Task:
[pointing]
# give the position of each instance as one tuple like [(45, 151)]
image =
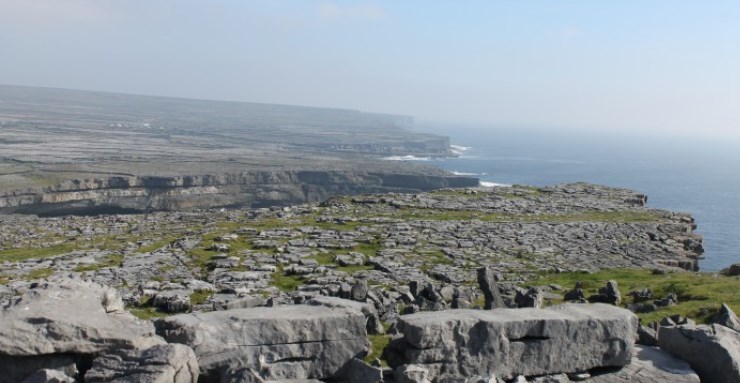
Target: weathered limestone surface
[(712, 351), (73, 317), (650, 365), (435, 240), (506, 343), (169, 363), (289, 342), (373, 324)]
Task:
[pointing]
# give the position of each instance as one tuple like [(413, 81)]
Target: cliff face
[(253, 188)]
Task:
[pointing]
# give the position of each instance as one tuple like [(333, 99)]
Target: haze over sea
[(698, 176)]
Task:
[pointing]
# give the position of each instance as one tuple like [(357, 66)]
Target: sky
[(665, 67)]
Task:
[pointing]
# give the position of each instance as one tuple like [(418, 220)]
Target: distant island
[(67, 151)]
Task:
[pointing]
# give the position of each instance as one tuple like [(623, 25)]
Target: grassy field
[(700, 294)]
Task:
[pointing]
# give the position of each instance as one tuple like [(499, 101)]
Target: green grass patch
[(156, 245), (145, 310), (22, 254), (229, 225), (325, 258), (369, 249), (286, 283), (200, 296), (38, 274), (699, 294), (112, 260), (378, 343), (147, 313)]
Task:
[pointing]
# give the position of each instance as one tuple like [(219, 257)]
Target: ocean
[(698, 176)]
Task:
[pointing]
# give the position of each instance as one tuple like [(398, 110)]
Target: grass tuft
[(378, 343)]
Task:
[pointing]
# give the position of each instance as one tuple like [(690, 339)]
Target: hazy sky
[(645, 65)]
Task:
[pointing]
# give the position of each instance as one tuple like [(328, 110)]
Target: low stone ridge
[(505, 343), (712, 351), (288, 342)]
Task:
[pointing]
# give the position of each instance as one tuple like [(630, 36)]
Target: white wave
[(458, 150), (455, 172), (486, 184), (406, 158), (461, 148)]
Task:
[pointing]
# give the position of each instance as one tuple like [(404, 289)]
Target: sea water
[(697, 176)]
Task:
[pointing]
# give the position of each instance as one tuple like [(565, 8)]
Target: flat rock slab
[(712, 351), (289, 342), (73, 317), (650, 365), (511, 342)]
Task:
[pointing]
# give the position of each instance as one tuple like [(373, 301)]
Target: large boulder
[(166, 363), (374, 324), (287, 342), (509, 342), (712, 351), (650, 365), (72, 317)]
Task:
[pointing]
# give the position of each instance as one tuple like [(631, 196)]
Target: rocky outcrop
[(57, 332), (505, 343), (712, 351), (49, 320), (289, 342), (254, 188)]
